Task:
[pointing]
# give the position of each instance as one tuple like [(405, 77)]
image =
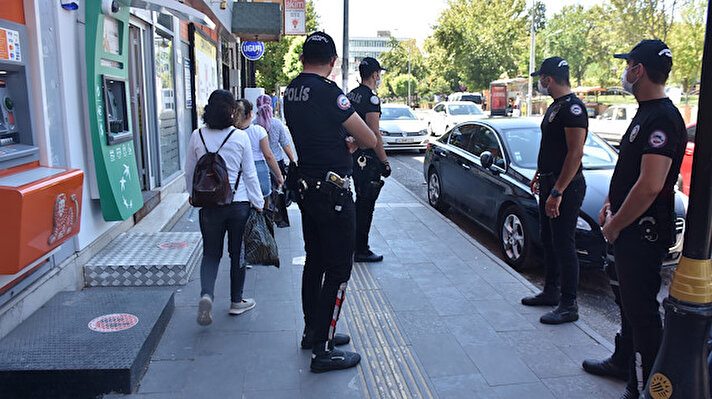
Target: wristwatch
[(555, 193)]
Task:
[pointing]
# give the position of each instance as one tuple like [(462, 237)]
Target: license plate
[(404, 140)]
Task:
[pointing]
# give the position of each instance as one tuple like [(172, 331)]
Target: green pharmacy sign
[(107, 28)]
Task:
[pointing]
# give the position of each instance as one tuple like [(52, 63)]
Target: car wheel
[(514, 239), (435, 193)]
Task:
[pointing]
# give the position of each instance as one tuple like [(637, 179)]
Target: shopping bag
[(260, 245)]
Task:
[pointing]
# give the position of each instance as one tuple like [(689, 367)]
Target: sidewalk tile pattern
[(439, 317)]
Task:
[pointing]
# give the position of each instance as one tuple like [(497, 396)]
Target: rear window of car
[(473, 98), (691, 133)]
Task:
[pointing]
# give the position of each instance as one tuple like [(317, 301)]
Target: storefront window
[(165, 104)]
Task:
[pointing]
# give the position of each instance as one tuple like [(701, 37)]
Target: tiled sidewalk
[(440, 317)]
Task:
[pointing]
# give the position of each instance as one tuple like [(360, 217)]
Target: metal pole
[(680, 369), (532, 60), (345, 55), (409, 50)]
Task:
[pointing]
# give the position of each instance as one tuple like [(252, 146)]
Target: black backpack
[(211, 186)]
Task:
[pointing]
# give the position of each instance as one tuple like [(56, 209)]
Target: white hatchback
[(401, 129), (449, 113)]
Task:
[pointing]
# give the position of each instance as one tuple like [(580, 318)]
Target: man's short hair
[(561, 80)]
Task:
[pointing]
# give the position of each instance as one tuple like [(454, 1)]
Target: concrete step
[(164, 215), (84, 344), (145, 259)]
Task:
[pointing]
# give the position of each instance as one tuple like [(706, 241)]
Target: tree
[(686, 39), (269, 69), (483, 38), (397, 57), (400, 84), (292, 66), (567, 36)]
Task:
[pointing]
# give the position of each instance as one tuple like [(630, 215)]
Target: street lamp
[(531, 63)]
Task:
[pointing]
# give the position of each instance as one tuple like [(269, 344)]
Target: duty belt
[(332, 181)]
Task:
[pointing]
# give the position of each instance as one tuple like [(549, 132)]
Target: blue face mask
[(543, 90)]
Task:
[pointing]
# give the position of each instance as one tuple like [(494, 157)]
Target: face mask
[(543, 90), (627, 86), (378, 82)]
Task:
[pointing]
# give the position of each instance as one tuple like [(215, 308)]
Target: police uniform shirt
[(315, 108), (566, 111), (364, 101), (657, 128)]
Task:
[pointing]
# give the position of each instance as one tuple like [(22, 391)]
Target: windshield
[(392, 114), (523, 145), (464, 109)]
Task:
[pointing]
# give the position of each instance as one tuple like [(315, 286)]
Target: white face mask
[(543, 90), (378, 81), (627, 86)]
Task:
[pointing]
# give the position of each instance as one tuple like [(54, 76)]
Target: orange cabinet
[(40, 208)]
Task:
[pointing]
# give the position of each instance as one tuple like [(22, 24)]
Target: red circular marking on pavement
[(173, 245), (113, 322)]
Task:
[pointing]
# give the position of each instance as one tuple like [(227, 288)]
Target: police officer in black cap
[(639, 218), (326, 130), (561, 187), (369, 164)]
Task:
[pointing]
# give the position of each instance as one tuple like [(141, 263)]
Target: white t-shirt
[(237, 154), (256, 133)]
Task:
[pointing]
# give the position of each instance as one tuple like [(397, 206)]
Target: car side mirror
[(486, 159), (599, 116)]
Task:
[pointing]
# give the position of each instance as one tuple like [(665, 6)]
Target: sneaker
[(564, 313), (543, 298), (339, 340), (367, 256), (334, 359), (205, 310), (241, 307)]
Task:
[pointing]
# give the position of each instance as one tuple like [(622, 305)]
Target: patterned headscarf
[(264, 111)]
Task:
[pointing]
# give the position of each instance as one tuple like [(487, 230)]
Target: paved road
[(596, 305)]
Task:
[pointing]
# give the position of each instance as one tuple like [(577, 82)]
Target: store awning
[(181, 11)]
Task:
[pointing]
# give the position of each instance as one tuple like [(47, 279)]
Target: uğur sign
[(295, 17)]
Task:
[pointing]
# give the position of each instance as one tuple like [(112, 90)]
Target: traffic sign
[(253, 51)]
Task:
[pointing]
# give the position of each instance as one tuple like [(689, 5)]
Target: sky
[(404, 18)]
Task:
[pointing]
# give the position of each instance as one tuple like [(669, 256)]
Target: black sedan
[(483, 169)]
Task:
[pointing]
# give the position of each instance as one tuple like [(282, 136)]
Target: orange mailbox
[(40, 208)]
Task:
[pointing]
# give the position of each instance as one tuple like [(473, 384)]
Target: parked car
[(483, 169), (613, 122), (686, 167), (449, 113), (401, 129), (476, 98)]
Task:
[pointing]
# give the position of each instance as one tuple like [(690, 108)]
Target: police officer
[(320, 118), (369, 164), (639, 218), (561, 187)]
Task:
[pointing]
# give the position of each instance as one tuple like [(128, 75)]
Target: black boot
[(564, 313), (544, 298), (630, 394), (326, 358), (616, 366), (308, 341), (367, 256)]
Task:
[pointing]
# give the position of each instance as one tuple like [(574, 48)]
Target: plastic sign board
[(253, 51), (109, 111), (295, 17)]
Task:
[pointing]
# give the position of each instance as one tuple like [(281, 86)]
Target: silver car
[(401, 129)]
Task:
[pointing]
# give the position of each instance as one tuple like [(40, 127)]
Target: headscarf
[(264, 111)]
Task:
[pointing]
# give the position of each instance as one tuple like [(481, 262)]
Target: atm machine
[(40, 206)]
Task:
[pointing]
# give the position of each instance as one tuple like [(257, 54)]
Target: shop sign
[(295, 17), (253, 51)]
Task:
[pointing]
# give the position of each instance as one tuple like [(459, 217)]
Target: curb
[(580, 324)]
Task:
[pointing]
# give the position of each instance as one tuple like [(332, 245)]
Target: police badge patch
[(343, 102), (634, 133), (375, 100), (576, 109), (657, 139)]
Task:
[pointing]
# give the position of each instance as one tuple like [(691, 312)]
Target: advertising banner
[(295, 17), (206, 72)]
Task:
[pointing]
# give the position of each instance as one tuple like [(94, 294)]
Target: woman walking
[(279, 143), (215, 221), (261, 153)]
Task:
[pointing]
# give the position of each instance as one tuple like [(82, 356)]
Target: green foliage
[(483, 38), (292, 65), (399, 85), (686, 39), (396, 59), (567, 35)]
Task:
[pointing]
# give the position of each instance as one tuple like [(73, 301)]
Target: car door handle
[(443, 154), (465, 166)]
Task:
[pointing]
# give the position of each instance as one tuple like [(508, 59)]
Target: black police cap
[(553, 66), (319, 45), (653, 54), (369, 65)]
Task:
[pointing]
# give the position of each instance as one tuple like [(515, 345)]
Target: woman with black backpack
[(221, 176)]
